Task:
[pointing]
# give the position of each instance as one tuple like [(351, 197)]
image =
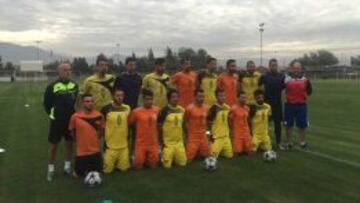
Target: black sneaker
[(289, 146), (304, 146)]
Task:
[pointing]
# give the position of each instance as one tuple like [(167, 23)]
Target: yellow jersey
[(218, 119), (260, 119), (159, 86), (249, 83), (171, 120), (116, 125), (208, 83), (100, 88)]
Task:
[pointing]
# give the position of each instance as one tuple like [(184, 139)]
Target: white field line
[(332, 158)]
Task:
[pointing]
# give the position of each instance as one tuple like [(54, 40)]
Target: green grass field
[(332, 176)]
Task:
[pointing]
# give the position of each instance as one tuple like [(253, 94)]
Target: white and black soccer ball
[(269, 156), (92, 178), (210, 163)]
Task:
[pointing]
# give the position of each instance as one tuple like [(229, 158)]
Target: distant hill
[(15, 53)]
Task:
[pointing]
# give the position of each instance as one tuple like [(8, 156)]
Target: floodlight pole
[(261, 30), (118, 52), (38, 48)]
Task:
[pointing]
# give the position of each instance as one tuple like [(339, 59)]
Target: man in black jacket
[(59, 101), (273, 82)]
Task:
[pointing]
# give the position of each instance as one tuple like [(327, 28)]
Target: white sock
[(51, 167), (67, 165)]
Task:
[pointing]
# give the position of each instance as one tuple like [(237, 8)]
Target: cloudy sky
[(226, 28)]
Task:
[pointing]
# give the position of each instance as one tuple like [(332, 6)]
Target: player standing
[(218, 123), (273, 82), (297, 89), (146, 139), (259, 115), (59, 101), (195, 118), (206, 81), (130, 82), (170, 122), (158, 83), (249, 81), (185, 83), (100, 84), (116, 133), (87, 127), (228, 82), (239, 122)]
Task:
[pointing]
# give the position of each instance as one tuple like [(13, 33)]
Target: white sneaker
[(50, 176)]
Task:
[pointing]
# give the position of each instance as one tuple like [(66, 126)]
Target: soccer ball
[(92, 178), (210, 163), (269, 156)]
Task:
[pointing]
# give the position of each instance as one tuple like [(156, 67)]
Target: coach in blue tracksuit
[(130, 82), (273, 82)]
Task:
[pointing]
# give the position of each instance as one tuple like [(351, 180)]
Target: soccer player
[(116, 133), (87, 127), (59, 101), (249, 81), (100, 84), (158, 83), (195, 118), (239, 122), (228, 82), (146, 139), (218, 123), (170, 122), (206, 81), (130, 81), (273, 83), (259, 115), (185, 83), (297, 89)]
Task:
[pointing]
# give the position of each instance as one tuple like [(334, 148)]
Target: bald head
[(64, 71)]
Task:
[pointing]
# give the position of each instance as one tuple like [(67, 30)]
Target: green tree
[(319, 58), (80, 66), (355, 60)]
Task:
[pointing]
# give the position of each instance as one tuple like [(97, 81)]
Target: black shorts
[(59, 129), (85, 164)]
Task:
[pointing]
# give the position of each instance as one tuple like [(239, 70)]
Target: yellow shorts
[(222, 146), (261, 141), (118, 158), (173, 153)]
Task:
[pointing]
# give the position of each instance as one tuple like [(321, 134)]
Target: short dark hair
[(239, 93), (170, 92), (198, 90), (129, 59), (259, 92), (83, 96), (210, 59), (101, 57), (218, 90), (273, 60), (117, 89), (250, 61), (295, 61), (147, 93), (230, 61), (182, 60), (160, 61)]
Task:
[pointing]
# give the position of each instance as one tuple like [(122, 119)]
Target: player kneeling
[(239, 115), (195, 117), (86, 127), (219, 125), (144, 119), (259, 114), (170, 124), (116, 133)]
